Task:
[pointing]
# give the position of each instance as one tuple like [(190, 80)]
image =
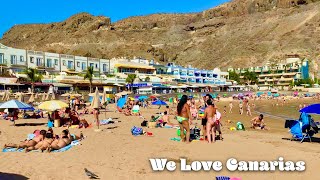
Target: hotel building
[(63, 69), (280, 75)]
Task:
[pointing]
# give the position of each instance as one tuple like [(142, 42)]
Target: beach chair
[(300, 132)]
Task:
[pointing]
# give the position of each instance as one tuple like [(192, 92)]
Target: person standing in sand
[(240, 107), (96, 116), (210, 113), (249, 110), (230, 107), (184, 115)]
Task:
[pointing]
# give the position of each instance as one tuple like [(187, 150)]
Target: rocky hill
[(241, 33)]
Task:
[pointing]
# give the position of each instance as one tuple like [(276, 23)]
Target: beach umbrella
[(311, 109), (36, 96), (153, 97), (47, 96), (15, 104), (53, 96), (103, 100), (123, 93), (31, 99), (7, 96), (122, 101), (53, 105), (96, 99), (43, 96), (143, 97), (159, 102), (20, 97)]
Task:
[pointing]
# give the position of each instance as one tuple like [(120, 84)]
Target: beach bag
[(136, 131), (195, 133), (240, 126)]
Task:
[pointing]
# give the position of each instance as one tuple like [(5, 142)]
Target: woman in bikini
[(184, 115), (28, 143), (63, 141), (43, 145), (210, 115)]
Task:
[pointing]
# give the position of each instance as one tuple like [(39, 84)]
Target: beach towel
[(222, 178), (73, 143)]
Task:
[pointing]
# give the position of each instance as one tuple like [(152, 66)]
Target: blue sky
[(41, 11)]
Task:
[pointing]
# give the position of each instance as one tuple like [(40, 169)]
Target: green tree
[(130, 79), (33, 76), (234, 76), (89, 76), (147, 79), (250, 77)]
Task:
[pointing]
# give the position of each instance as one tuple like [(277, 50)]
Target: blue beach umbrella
[(143, 97), (122, 101), (15, 104), (312, 109), (159, 102)]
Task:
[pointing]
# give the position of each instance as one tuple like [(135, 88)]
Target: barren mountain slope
[(241, 33)]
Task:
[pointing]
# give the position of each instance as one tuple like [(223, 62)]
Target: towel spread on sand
[(73, 143)]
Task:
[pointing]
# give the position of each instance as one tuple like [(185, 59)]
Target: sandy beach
[(114, 153)]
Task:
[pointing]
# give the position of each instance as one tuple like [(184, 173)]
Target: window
[(104, 68), (21, 59), (31, 59), (1, 58), (13, 59), (70, 65), (56, 62), (83, 65), (96, 66), (91, 64), (64, 62), (39, 62), (49, 63), (78, 64)]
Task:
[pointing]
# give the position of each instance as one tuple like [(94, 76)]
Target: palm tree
[(33, 76), (89, 76), (130, 79)]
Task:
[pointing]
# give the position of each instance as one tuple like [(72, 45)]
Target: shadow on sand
[(11, 176), (306, 140), (30, 124)]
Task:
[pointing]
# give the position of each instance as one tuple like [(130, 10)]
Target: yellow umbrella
[(52, 105), (96, 99), (53, 96), (36, 96), (31, 99)]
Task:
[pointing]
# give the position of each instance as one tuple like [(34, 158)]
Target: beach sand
[(114, 153)]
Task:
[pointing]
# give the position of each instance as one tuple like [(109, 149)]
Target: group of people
[(46, 141), (211, 120)]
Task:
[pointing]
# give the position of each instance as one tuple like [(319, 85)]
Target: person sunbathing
[(64, 140), (28, 143), (43, 145)]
